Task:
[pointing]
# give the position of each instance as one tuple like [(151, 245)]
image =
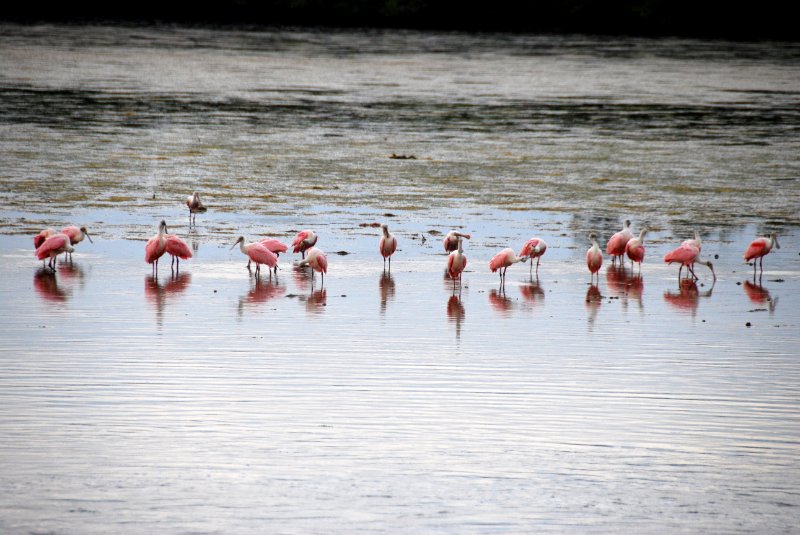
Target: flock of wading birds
[(49, 244)]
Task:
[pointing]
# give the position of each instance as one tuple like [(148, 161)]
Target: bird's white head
[(774, 238), (239, 240), (86, 233)]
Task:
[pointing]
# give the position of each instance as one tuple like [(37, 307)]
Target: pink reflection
[(687, 298), (499, 301), (387, 287), (317, 301), (46, 285), (759, 295), (456, 313), (532, 292), (593, 301)]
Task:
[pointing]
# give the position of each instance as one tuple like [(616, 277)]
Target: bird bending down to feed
[(318, 261), (594, 257), (617, 242), (456, 263), (534, 248), (178, 249), (688, 254), (387, 246), (52, 247), (76, 235), (256, 253), (759, 248), (156, 247), (635, 249), (303, 241), (502, 260), (450, 241), (196, 206)]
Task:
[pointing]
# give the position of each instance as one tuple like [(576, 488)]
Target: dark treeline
[(765, 19)]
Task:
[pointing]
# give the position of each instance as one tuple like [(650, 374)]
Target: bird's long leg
[(390, 264), (761, 265)]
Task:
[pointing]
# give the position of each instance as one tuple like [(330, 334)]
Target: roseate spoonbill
[(52, 247), (617, 242), (688, 255), (635, 249), (387, 246), (450, 241), (178, 249), (759, 248), (304, 240), (275, 246), (196, 206), (694, 241), (534, 248), (318, 261), (38, 240), (76, 235), (503, 260), (256, 253), (156, 246), (456, 263), (594, 256)]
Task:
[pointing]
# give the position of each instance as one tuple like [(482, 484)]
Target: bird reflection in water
[(625, 284), (593, 301), (72, 272), (46, 285), (158, 293), (260, 292), (302, 277), (532, 291), (386, 286), (456, 313), (759, 295), (499, 301), (687, 298), (317, 301)]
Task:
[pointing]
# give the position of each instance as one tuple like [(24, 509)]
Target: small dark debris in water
[(716, 257), (292, 295), (758, 310), (704, 321), (389, 214), (374, 224), (747, 324), (739, 283), (395, 156), (215, 291), (434, 232), (777, 280), (342, 253), (343, 295)]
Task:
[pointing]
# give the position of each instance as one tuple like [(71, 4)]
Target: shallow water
[(208, 402)]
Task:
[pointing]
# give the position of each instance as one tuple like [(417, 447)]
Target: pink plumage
[(54, 246), (686, 254), (76, 234), (456, 263), (154, 249), (261, 255), (387, 246), (274, 245), (317, 260), (177, 247), (39, 239), (758, 248), (617, 242), (594, 259), (450, 241), (304, 240)]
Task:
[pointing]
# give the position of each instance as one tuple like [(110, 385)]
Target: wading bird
[(156, 247), (635, 249), (52, 247), (196, 206), (178, 249), (275, 246), (450, 241), (503, 260), (256, 253), (534, 248), (387, 246), (594, 257), (76, 235), (38, 240), (688, 254), (303, 241), (456, 263), (318, 261), (759, 248), (617, 242)]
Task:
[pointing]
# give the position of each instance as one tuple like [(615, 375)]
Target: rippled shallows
[(209, 401)]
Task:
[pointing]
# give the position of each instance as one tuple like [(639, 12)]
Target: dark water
[(210, 402)]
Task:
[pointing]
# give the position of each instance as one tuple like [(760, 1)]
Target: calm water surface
[(210, 402)]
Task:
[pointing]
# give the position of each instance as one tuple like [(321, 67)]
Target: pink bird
[(534, 248), (450, 241), (76, 235), (502, 261), (39, 239), (688, 254), (635, 249), (696, 242), (256, 253), (759, 248), (456, 263), (52, 247), (387, 246), (304, 240), (195, 207), (318, 261), (617, 242), (594, 257), (156, 247), (273, 245), (178, 249)]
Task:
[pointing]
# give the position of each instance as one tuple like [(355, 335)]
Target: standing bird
[(456, 263), (76, 235), (387, 246), (759, 248), (534, 248), (635, 249), (178, 249), (52, 247), (617, 242), (196, 206), (303, 241), (156, 247), (502, 260), (318, 261), (594, 256), (450, 241), (256, 253), (275, 246), (688, 254)]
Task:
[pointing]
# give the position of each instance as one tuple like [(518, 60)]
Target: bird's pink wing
[(51, 244), (152, 251), (72, 231), (685, 254), (616, 245), (274, 245), (322, 262), (758, 247), (177, 247), (298, 240), (497, 261), (261, 255)]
